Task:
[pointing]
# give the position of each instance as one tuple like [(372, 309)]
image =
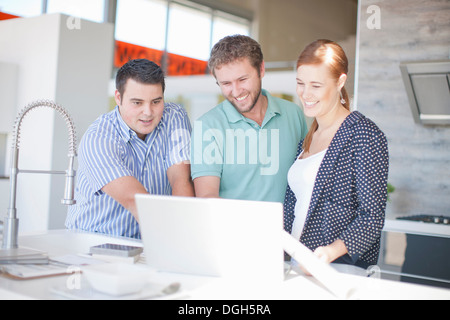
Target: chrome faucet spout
[(11, 223)]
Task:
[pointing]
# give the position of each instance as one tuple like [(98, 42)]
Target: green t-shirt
[(251, 161)]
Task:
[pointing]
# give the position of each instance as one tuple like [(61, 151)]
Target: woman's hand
[(328, 253), (331, 252)]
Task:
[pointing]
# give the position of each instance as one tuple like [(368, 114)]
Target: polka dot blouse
[(350, 193)]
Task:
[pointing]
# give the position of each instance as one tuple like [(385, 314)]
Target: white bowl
[(118, 279)]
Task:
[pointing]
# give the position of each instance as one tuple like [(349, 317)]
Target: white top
[(301, 179)]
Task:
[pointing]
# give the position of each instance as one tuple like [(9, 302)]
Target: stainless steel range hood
[(427, 84)]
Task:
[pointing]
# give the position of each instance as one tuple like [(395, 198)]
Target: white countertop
[(296, 286), (417, 228)]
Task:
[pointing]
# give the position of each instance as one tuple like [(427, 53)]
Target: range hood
[(427, 84)]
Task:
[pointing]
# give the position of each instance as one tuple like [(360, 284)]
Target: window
[(22, 8), (189, 32), (224, 26), (86, 9), (180, 26), (142, 22)]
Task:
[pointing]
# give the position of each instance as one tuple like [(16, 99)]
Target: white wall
[(32, 45), (8, 92), (71, 67), (85, 60)]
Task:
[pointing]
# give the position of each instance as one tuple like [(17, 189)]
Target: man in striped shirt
[(142, 146)]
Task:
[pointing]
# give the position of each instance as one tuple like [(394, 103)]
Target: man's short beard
[(252, 105)]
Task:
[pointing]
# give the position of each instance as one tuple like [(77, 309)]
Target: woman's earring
[(342, 98)]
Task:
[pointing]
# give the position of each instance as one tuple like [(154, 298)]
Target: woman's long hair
[(331, 54)]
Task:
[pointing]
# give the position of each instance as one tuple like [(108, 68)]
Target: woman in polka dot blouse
[(336, 198)]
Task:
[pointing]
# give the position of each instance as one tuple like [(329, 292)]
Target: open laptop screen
[(212, 237)]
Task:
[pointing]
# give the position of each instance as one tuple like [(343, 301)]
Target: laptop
[(232, 239)]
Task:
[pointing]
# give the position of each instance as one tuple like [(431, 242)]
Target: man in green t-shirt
[(244, 147)]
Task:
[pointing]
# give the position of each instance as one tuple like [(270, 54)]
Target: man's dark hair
[(140, 70)]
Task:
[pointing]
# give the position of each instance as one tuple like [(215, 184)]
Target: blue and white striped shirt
[(110, 150)]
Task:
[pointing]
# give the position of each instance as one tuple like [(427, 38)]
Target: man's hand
[(179, 176), (123, 191)]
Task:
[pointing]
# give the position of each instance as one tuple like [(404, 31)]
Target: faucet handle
[(69, 198)]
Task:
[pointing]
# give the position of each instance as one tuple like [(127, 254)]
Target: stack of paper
[(33, 271), (22, 256)]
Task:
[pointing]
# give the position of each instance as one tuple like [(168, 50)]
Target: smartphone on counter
[(118, 250)]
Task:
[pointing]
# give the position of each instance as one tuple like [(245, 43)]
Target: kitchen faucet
[(11, 222)]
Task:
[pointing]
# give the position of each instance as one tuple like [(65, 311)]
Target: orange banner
[(6, 16), (177, 65)]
